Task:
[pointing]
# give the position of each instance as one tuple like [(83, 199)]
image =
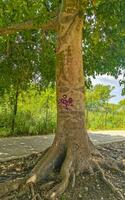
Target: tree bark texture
[(70, 85), (71, 146)]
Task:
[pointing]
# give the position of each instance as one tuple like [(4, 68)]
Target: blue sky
[(109, 80)]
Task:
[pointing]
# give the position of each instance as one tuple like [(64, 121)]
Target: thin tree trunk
[(47, 114), (15, 107)]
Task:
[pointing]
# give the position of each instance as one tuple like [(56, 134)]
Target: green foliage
[(104, 46), (98, 96), (100, 114), (17, 11), (37, 111), (106, 120), (103, 37), (28, 57)]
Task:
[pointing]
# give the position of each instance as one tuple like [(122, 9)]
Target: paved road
[(15, 147)]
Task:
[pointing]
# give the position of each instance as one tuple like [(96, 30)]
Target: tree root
[(121, 164), (65, 173), (110, 163), (34, 196), (51, 159), (47, 185), (68, 171), (9, 186), (117, 193)]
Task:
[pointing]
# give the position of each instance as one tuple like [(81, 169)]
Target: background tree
[(100, 94), (97, 100), (17, 71)]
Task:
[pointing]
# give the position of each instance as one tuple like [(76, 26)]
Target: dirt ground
[(87, 187)]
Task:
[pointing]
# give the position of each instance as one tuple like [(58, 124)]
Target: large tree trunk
[(70, 86), (72, 151), (71, 147)]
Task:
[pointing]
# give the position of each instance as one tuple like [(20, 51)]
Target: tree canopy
[(103, 43)]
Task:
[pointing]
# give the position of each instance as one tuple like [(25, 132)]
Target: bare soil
[(87, 187)]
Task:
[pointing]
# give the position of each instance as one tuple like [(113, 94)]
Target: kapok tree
[(72, 151)]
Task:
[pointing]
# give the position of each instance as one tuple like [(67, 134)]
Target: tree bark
[(70, 85), (29, 25), (71, 147)]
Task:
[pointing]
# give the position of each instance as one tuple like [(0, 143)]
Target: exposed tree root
[(121, 164), (53, 159), (112, 164), (65, 173), (108, 183), (9, 186)]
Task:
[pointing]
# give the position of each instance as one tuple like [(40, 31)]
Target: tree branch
[(29, 25)]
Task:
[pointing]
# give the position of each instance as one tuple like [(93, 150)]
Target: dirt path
[(16, 147)]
